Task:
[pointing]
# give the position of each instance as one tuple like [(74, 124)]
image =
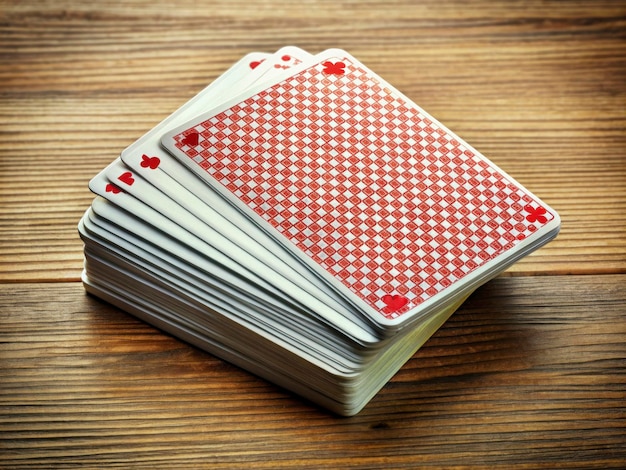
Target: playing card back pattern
[(365, 183)]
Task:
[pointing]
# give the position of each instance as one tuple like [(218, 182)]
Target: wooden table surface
[(529, 373)]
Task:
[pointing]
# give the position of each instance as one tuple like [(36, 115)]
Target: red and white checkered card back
[(359, 181)]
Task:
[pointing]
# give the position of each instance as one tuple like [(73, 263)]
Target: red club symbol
[(255, 63), (536, 214), (395, 302), (150, 162), (190, 139), (126, 177), (336, 68), (111, 188), (285, 58)]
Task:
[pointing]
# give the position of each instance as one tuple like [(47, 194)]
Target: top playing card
[(388, 205)]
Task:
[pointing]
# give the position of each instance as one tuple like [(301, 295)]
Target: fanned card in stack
[(304, 220)]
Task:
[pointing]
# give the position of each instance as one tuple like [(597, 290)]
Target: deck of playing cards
[(304, 220)]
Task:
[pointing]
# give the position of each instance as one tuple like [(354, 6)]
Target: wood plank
[(540, 88), (529, 373)]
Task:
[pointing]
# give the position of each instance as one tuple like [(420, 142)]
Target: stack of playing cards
[(303, 219)]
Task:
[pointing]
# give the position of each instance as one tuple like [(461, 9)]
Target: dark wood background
[(529, 373)]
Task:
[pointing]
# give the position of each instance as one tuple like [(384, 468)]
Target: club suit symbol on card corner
[(127, 177), (191, 139), (536, 214), (255, 63), (150, 162), (334, 68), (111, 188), (394, 302)]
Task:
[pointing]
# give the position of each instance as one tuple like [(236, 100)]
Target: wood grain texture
[(529, 373), (538, 87), (524, 375)]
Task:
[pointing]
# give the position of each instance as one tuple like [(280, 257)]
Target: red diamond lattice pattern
[(366, 184)]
